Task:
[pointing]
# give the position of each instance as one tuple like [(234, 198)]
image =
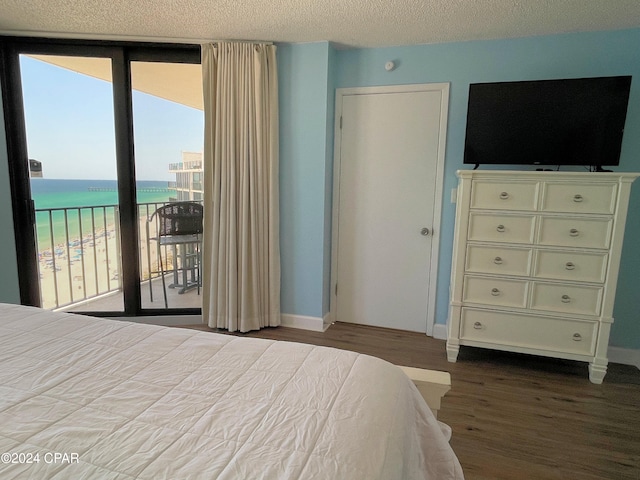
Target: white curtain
[(241, 254)]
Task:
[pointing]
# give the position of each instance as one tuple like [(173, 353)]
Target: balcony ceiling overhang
[(176, 82)]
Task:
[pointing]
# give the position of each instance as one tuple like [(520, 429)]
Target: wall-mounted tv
[(547, 122)]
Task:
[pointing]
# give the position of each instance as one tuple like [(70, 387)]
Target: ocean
[(57, 193)]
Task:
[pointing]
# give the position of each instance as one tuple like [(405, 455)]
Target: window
[(96, 133)]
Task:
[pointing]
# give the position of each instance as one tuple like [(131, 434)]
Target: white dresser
[(535, 263)]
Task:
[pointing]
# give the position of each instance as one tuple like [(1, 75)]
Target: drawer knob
[(569, 266), (477, 325), (574, 232), (500, 228), (504, 195), (578, 198), (566, 299), (497, 261), (495, 292), (577, 337)]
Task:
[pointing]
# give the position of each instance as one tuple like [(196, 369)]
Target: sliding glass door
[(96, 136), (73, 178), (168, 125)]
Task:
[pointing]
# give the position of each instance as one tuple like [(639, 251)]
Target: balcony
[(191, 165), (80, 261), (113, 301)]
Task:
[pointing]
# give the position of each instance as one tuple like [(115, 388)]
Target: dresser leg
[(597, 371), (452, 352)]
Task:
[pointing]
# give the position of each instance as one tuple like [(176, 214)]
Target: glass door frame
[(121, 55)]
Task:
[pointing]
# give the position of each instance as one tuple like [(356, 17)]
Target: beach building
[(35, 168), (189, 177)]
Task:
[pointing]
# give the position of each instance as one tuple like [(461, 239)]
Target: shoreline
[(88, 267)]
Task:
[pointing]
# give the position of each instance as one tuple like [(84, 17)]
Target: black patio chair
[(179, 225)]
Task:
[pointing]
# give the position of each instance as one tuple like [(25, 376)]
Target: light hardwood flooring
[(513, 416)]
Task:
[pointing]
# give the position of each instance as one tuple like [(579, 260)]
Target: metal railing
[(79, 252)]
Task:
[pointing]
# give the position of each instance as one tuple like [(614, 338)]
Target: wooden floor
[(513, 416)]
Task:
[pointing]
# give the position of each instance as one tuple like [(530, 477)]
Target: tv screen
[(547, 122)]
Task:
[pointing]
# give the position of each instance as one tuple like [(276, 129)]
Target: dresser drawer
[(575, 232), (495, 291), (496, 195), (553, 297), (528, 331), (499, 260), (577, 267), (577, 198), (501, 228)]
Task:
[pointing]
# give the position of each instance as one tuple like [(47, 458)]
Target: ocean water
[(59, 194)]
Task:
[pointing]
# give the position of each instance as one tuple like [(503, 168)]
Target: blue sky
[(70, 129)]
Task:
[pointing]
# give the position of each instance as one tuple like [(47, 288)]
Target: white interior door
[(391, 150)]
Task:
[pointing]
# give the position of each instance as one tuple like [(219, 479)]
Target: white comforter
[(82, 397)]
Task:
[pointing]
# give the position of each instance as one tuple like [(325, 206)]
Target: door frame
[(443, 88)]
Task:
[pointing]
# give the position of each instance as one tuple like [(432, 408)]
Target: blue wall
[(305, 157), (304, 162), (328, 179)]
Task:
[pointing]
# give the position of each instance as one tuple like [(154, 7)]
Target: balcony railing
[(80, 253), (188, 165)]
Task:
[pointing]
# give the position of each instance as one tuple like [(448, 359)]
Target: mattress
[(83, 397)]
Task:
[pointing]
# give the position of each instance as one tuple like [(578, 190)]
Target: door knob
[(425, 232)]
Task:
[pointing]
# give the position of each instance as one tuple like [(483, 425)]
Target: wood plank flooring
[(513, 416)]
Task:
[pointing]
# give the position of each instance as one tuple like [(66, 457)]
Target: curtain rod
[(254, 42), (119, 38)]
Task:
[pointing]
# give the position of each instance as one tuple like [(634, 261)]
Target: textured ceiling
[(347, 23)]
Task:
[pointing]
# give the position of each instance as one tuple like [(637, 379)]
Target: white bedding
[(124, 400)]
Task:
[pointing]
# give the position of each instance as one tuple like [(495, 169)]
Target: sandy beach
[(90, 266)]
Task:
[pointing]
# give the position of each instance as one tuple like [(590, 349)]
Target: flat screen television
[(547, 122)]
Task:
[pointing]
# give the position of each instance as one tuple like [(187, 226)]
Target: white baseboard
[(440, 331), (316, 324), (626, 356)]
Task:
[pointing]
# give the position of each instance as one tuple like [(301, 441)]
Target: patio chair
[(179, 225)]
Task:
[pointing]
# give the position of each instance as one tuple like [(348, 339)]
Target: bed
[(83, 397)]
